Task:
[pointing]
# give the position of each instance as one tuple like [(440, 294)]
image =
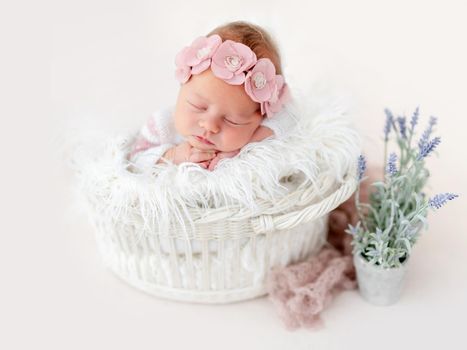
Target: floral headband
[(236, 64)]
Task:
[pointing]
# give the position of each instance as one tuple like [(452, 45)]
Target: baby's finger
[(194, 150), (205, 164), (213, 163), (198, 157)]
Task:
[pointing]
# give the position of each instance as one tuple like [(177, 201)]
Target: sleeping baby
[(232, 93)]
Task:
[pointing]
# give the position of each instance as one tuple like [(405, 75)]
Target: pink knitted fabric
[(301, 291)]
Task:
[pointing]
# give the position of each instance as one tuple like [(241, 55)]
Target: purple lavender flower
[(414, 120), (361, 166), (427, 133), (391, 167), (353, 230), (402, 126), (389, 121), (427, 148), (440, 199)]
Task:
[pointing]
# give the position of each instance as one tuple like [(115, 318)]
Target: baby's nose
[(210, 124)]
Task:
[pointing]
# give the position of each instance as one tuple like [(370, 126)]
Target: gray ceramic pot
[(377, 285)]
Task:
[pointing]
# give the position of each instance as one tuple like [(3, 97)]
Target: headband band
[(236, 64)]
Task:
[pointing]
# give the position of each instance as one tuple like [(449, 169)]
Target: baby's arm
[(148, 148)]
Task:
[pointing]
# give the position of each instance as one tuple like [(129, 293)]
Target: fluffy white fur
[(322, 150)]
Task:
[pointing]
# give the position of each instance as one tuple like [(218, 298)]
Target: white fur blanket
[(323, 149)]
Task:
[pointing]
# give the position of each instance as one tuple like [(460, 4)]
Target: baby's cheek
[(236, 139), (184, 122)]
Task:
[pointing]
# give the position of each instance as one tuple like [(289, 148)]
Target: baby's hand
[(184, 152), (219, 156)]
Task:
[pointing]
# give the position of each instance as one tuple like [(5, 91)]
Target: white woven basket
[(170, 233), (227, 255)]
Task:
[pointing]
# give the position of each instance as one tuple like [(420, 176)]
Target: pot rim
[(367, 263)]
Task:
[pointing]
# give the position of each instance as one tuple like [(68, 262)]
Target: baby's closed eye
[(230, 120), (234, 123), (197, 107)]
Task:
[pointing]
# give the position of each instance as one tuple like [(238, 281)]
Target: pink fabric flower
[(231, 60), (196, 58), (183, 71), (200, 52), (260, 82), (280, 96), (236, 64)]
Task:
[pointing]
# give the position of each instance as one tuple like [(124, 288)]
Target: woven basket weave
[(226, 255)]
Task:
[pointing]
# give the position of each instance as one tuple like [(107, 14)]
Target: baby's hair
[(253, 36)]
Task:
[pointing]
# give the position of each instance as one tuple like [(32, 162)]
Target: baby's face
[(214, 115)]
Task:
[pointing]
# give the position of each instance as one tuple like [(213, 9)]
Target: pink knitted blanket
[(301, 291)]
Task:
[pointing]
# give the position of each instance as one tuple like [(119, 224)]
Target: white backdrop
[(106, 65)]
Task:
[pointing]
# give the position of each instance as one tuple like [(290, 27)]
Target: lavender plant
[(389, 225)]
